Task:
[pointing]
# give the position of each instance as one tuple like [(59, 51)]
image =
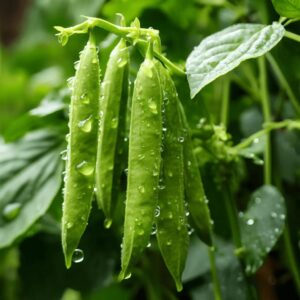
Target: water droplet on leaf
[(78, 256), (11, 211), (85, 168)]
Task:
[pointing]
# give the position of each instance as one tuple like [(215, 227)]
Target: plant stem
[(291, 257), (214, 274), (292, 36), (233, 219), (142, 45), (284, 83), (290, 21), (225, 101), (289, 124), (268, 169), (236, 236), (131, 34), (267, 118)]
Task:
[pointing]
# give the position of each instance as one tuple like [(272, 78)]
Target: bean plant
[(134, 164)]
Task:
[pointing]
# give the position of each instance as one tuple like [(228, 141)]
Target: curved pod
[(113, 103), (81, 152), (143, 163)]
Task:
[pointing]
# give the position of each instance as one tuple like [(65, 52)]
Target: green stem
[(291, 21), (284, 83), (142, 45), (292, 36), (268, 169), (131, 34), (291, 257), (232, 214), (214, 274), (267, 118), (237, 240), (225, 101), (289, 124)]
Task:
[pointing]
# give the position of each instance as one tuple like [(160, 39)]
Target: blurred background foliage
[(34, 98)]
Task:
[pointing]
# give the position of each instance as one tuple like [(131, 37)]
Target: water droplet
[(141, 232), (84, 99), (121, 62), (149, 72), (127, 276), (70, 82), (153, 106), (161, 186), (170, 215), (273, 214), (141, 189), (187, 213), (76, 64), (154, 229), (107, 223), (181, 139), (164, 129), (141, 156), (86, 125), (11, 211), (169, 243), (170, 174), (189, 163), (78, 256), (250, 222), (114, 123), (257, 200), (282, 217), (157, 212), (240, 214), (69, 225), (256, 141), (64, 154), (258, 161), (155, 173), (149, 245), (85, 168)]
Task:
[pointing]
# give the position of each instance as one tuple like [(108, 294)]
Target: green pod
[(143, 164), (171, 224), (81, 151), (194, 191), (113, 101)]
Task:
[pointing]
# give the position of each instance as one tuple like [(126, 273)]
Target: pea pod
[(172, 234), (81, 151), (143, 163), (112, 106), (194, 191)]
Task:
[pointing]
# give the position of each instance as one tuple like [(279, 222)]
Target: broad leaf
[(30, 176), (223, 51), (261, 225), (287, 8), (228, 267)]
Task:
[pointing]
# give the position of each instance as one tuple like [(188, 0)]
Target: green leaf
[(30, 176), (223, 51), (287, 8), (229, 270), (261, 225)]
